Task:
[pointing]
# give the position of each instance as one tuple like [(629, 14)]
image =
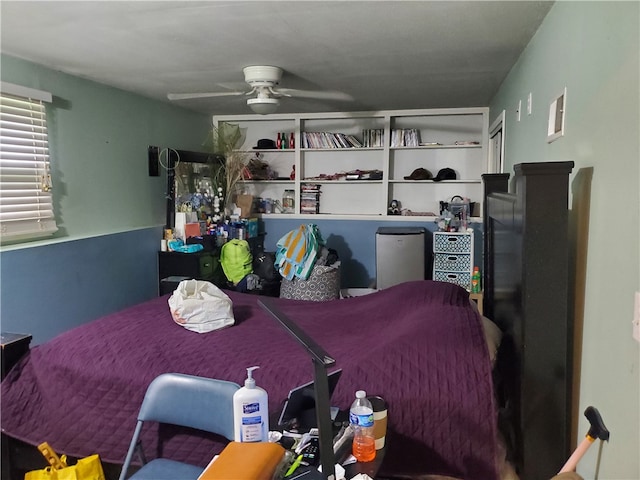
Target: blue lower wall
[(355, 242), (49, 289)]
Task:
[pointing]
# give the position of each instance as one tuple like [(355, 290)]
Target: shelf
[(434, 147), (370, 199), (269, 150), (443, 182), (274, 181), (341, 149), (342, 182), (332, 216)]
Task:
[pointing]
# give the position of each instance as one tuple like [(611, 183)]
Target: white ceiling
[(385, 54)]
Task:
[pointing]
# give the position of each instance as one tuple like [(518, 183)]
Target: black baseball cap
[(445, 174)]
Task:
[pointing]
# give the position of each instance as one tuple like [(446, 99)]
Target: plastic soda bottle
[(361, 419), (475, 280)]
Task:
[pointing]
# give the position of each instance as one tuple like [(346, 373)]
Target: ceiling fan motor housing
[(262, 75)]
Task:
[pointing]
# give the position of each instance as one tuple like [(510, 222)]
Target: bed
[(420, 345)]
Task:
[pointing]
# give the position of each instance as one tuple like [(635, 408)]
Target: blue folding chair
[(188, 401)]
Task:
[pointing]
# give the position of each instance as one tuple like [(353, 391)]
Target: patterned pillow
[(323, 284)]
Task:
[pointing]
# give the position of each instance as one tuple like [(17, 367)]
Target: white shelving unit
[(450, 138)]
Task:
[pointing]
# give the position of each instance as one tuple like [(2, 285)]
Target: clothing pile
[(297, 251), (257, 169), (310, 270)]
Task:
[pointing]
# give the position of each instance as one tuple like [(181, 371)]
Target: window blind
[(26, 203)]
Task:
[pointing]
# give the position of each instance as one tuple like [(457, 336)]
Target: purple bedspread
[(419, 345)]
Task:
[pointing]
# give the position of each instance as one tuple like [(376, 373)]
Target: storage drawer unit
[(452, 242), (453, 258), (452, 262), (459, 278)]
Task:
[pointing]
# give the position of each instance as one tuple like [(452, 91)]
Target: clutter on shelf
[(283, 141), (350, 175), (454, 215), (310, 198), (394, 208), (258, 169), (189, 230)]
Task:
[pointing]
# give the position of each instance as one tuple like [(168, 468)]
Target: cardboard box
[(245, 202), (192, 230)]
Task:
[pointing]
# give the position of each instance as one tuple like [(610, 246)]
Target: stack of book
[(329, 140), (310, 198), (405, 137), (373, 137)]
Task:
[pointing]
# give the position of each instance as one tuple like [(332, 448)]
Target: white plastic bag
[(200, 306)]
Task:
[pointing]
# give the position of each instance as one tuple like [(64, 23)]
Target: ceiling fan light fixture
[(263, 106)]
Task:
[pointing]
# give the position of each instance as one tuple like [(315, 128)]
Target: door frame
[(496, 165)]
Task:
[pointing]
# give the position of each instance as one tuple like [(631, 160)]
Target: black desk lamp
[(321, 361)]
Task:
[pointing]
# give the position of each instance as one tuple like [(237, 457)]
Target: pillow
[(493, 336), (492, 333)]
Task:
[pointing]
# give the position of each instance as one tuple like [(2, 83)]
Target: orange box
[(245, 461), (191, 230)]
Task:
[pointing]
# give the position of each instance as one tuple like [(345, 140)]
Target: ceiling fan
[(264, 81)]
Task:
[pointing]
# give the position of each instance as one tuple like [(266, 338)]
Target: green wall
[(592, 49), (109, 210), (98, 141)]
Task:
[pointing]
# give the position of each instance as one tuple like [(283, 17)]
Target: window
[(26, 204)]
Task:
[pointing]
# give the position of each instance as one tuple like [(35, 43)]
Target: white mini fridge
[(400, 255)]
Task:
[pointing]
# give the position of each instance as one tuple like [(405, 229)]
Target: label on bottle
[(287, 202), (365, 420), (250, 407), (251, 428)]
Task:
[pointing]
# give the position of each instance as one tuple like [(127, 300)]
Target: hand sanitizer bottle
[(250, 412)]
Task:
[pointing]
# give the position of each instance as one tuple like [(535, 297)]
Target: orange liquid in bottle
[(364, 448)]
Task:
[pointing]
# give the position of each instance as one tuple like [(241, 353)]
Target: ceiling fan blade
[(322, 95), (187, 96)]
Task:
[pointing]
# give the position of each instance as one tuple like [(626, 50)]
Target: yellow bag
[(88, 468)]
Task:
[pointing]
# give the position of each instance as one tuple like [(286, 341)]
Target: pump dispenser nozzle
[(250, 382)]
